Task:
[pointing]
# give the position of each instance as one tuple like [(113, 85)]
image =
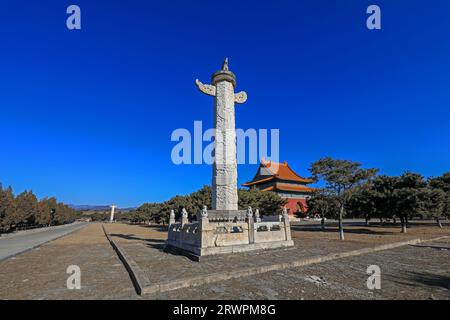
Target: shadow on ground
[(417, 279), (155, 227), (151, 243), (336, 230), (431, 247)]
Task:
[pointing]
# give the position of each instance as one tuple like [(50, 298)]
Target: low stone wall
[(187, 233), (222, 234), (269, 231)]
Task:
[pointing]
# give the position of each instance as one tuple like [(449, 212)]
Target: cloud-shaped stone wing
[(206, 88), (240, 97)]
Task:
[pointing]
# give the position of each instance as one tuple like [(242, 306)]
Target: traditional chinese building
[(280, 178)]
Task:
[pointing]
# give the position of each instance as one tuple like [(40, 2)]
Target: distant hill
[(86, 207)]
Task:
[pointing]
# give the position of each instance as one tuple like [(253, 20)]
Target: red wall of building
[(292, 205)]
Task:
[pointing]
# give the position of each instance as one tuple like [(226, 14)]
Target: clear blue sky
[(87, 115)]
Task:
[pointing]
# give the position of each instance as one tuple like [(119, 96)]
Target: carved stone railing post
[(287, 225), (172, 217), (251, 226), (203, 227), (184, 217), (257, 216)]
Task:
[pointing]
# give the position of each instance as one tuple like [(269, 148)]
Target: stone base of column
[(205, 254), (227, 231), (227, 215)]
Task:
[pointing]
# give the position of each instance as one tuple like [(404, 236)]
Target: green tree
[(324, 205), (434, 203), (442, 183), (341, 177), (201, 198), (362, 203), (155, 212), (382, 195), (408, 197), (268, 202)]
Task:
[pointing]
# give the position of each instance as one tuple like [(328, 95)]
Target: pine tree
[(341, 178), (26, 208), (408, 197), (44, 213), (7, 209)]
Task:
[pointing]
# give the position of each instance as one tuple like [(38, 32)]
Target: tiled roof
[(288, 187), (278, 170), (269, 178)]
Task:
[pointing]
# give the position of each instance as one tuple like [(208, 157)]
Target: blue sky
[(87, 115)]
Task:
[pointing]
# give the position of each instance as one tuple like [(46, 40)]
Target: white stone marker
[(224, 178), (113, 207)]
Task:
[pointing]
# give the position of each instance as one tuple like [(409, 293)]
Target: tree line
[(351, 190), (268, 203), (26, 211)]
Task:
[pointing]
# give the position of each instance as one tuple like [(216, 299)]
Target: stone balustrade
[(205, 237)]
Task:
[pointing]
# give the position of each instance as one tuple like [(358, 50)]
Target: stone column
[(111, 218), (224, 178)]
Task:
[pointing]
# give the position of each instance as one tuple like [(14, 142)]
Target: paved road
[(19, 243)]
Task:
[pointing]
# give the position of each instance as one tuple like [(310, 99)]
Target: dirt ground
[(41, 273), (346, 277), (410, 272), (372, 234), (375, 233)]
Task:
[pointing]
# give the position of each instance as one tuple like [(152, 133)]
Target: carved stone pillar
[(224, 178)]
